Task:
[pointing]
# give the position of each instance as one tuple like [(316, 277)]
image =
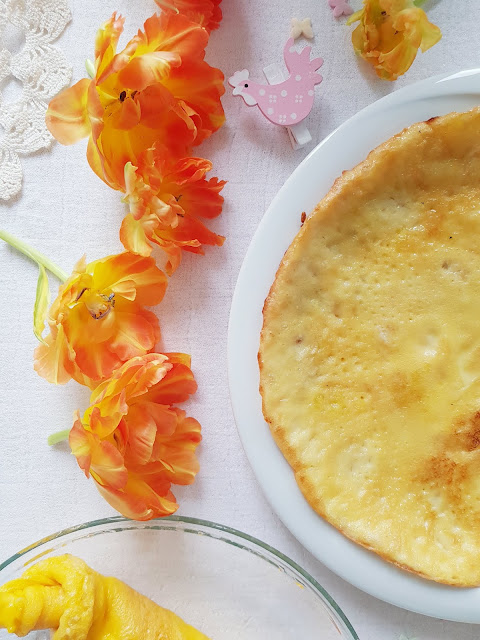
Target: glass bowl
[(226, 583)]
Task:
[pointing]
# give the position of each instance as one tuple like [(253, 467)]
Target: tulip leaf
[(42, 302)]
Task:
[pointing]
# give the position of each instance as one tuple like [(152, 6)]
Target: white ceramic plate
[(341, 150)]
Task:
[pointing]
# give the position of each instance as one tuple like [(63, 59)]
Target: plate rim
[(427, 597)]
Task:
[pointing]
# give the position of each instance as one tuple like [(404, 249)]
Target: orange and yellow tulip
[(133, 442), (166, 201), (206, 12), (98, 320), (390, 33), (157, 91)]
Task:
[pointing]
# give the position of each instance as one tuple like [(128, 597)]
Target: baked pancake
[(370, 352)]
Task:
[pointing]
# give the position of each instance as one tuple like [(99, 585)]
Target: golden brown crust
[(446, 469)]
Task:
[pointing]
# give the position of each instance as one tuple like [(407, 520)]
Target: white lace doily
[(42, 70)]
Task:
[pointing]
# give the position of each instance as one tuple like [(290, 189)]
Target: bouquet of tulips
[(143, 110)]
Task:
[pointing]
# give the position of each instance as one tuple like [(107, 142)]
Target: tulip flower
[(166, 201), (98, 320), (157, 91), (133, 442), (390, 33)]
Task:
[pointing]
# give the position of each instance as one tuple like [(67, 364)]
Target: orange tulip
[(98, 320), (158, 90), (205, 12), (390, 33), (133, 442), (166, 200)]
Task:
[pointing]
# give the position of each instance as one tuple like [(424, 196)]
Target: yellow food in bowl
[(63, 594), (370, 352)]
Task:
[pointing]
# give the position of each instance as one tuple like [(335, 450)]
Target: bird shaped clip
[(286, 101)]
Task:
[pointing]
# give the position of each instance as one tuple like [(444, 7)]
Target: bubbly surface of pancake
[(370, 352)]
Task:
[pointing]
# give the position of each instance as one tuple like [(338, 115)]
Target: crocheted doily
[(42, 70)]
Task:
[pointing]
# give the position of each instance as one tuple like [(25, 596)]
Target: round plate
[(341, 150)]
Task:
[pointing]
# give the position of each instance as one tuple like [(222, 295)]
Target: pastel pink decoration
[(340, 8), (288, 102)]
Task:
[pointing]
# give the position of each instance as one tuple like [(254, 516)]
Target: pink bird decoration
[(340, 8), (288, 102)]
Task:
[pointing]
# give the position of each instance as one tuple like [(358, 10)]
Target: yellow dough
[(65, 595), (370, 352)]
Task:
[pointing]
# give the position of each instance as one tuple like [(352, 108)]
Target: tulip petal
[(104, 417), (203, 198), (150, 282), (177, 451), (147, 69), (206, 12), (133, 236), (107, 466), (136, 333), (95, 160), (95, 363), (50, 357), (179, 358), (141, 439), (97, 457), (81, 445), (127, 116), (188, 230), (161, 420), (177, 385), (202, 96), (139, 501), (67, 114), (174, 253), (186, 169), (106, 41), (154, 367), (155, 102), (116, 64), (173, 32)]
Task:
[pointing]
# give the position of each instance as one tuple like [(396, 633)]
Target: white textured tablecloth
[(65, 211)]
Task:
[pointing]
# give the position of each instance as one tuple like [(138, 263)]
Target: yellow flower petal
[(148, 69), (50, 358), (133, 236), (67, 115)]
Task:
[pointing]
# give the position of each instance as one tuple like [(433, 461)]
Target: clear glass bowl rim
[(184, 520)]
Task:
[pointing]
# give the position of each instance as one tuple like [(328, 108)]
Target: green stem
[(58, 437), (33, 254)]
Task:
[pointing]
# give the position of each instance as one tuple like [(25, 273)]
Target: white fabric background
[(65, 210)]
